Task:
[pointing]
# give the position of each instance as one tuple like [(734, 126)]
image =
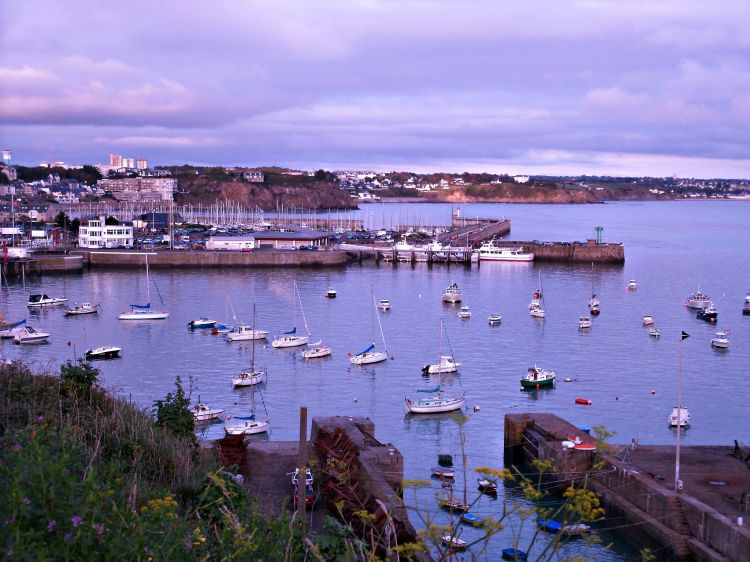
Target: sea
[(632, 380)]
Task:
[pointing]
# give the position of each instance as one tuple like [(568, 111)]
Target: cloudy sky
[(620, 87)]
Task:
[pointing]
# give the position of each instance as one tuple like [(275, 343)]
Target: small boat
[(549, 525), (249, 377), (246, 333), (648, 320), (445, 364), (201, 323), (537, 312), (201, 412), (514, 554), (537, 378), (452, 294), (104, 352), (39, 301), (464, 312), (330, 294), (679, 416), (384, 305), (583, 401), (317, 350), (247, 425), (143, 311), (27, 334), (709, 314), (435, 404), (654, 332), (632, 285), (584, 447), (220, 328), (495, 319), (290, 338), (594, 305), (584, 322), (746, 306), (698, 301), (721, 340), (489, 252), (487, 486), (83, 308), (443, 472), (472, 519), (454, 543), (368, 356), (453, 504), (575, 530)]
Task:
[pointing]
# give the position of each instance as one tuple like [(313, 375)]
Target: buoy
[(584, 401), (617, 397), (653, 391), (568, 379), (355, 400)]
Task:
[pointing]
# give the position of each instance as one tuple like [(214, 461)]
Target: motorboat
[(594, 305), (679, 417), (247, 425), (746, 306), (249, 377), (201, 323), (201, 412), (104, 352), (464, 313), (654, 332), (445, 364), (452, 294), (536, 311), (246, 333), (317, 350), (434, 404), (537, 377), (368, 356), (721, 340), (490, 252), (632, 285), (384, 304), (144, 311), (709, 314), (330, 294), (698, 301), (584, 322), (495, 319), (39, 301), (27, 334), (648, 320), (83, 308), (221, 328), (453, 542)]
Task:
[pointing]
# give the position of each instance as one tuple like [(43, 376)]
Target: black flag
[(685, 335)]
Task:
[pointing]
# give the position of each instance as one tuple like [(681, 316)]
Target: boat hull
[(247, 336), (434, 406), (532, 385), (519, 257), (290, 341), (369, 358), (317, 353), (31, 339), (143, 316), (103, 353)]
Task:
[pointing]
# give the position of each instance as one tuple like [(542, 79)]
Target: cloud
[(156, 141)]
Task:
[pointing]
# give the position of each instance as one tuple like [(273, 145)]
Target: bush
[(174, 414), (82, 376)]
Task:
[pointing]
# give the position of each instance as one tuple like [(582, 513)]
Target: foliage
[(174, 414), (111, 221), (75, 225), (86, 174), (62, 220), (79, 377), (4, 179)]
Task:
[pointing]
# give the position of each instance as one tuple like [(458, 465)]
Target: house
[(270, 241), (254, 177), (94, 233), (521, 179)]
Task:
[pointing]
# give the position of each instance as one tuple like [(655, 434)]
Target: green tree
[(82, 376), (62, 220), (174, 413), (111, 221), (4, 180), (75, 224)]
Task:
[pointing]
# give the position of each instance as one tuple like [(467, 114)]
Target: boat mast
[(302, 310), (375, 308), (148, 284), (677, 482), (252, 356)]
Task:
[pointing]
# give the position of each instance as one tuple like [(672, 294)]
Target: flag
[(685, 335)]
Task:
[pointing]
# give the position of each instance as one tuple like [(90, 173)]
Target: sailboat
[(248, 425), (535, 306), (367, 356), (290, 338), (250, 377), (593, 301), (436, 403), (242, 332), (144, 312), (445, 363)]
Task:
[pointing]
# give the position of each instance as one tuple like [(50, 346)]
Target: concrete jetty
[(704, 521), (586, 252)]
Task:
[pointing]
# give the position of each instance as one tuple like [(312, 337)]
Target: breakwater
[(589, 251), (209, 259)]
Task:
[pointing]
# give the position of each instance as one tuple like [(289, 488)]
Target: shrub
[(173, 413), (82, 376)]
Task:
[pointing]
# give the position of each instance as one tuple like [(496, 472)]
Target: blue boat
[(472, 519), (514, 554), (549, 525), (584, 428)]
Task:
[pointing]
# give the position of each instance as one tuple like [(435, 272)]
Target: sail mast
[(252, 356), (375, 308), (148, 284), (302, 310)]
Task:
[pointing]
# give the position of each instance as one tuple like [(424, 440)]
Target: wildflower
[(26, 501), (68, 538), (16, 447), (99, 528), (51, 526), (76, 520)]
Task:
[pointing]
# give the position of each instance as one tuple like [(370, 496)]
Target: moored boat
[(698, 301), (27, 334), (384, 304), (549, 525), (247, 425), (648, 320), (464, 313), (487, 486), (330, 294), (249, 377), (538, 378), (490, 252), (221, 328), (368, 356), (246, 333), (721, 340), (514, 554), (494, 319), (472, 519), (575, 530), (594, 306), (317, 350), (104, 352), (39, 301), (452, 503), (454, 543), (584, 322), (445, 364), (443, 472), (201, 412), (144, 311), (452, 294), (679, 417), (83, 308), (708, 314), (746, 306), (632, 285), (654, 332), (435, 404), (201, 323)]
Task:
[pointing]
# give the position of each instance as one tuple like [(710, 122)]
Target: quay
[(586, 252), (38, 264), (704, 521)]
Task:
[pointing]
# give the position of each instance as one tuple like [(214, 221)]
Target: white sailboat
[(144, 312), (445, 363), (290, 338), (251, 376), (369, 355), (248, 425), (436, 403), (536, 308)]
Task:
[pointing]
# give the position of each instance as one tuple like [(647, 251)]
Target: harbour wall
[(208, 259), (42, 264), (589, 251)]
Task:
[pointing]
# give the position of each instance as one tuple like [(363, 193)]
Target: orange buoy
[(584, 401)]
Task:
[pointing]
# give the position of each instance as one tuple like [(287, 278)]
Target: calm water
[(672, 249)]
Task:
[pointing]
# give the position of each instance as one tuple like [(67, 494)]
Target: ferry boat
[(709, 314), (489, 252), (452, 294), (698, 300), (537, 378)]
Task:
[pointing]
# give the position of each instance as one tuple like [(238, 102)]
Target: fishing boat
[(453, 542), (698, 301), (434, 404), (584, 322), (330, 294), (290, 338), (654, 332), (104, 352), (27, 334), (648, 320), (452, 294), (251, 376), (39, 301), (246, 333), (317, 350), (746, 306), (201, 323), (679, 417), (487, 486), (721, 340), (472, 519), (369, 355), (144, 311), (446, 363), (247, 425), (11, 329), (537, 377), (83, 308), (464, 313), (514, 554), (490, 252), (708, 314), (494, 319), (201, 412), (632, 285), (384, 304)]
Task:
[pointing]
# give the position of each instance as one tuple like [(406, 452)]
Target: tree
[(111, 221), (4, 180), (62, 220), (75, 224), (173, 413), (82, 376)]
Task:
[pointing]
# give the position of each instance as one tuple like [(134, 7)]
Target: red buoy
[(584, 401)]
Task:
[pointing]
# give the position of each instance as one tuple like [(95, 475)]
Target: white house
[(93, 233), (521, 179)]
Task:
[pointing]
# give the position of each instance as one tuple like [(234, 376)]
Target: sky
[(622, 87)]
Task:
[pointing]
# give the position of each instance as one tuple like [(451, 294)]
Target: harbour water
[(672, 249)]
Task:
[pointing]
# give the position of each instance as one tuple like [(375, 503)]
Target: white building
[(93, 233), (521, 179)]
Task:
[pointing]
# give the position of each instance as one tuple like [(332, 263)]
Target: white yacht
[(368, 356), (632, 285), (464, 313), (721, 340), (29, 335), (536, 310), (679, 416), (317, 350), (246, 333), (249, 377), (452, 294), (290, 338), (495, 319), (202, 412), (104, 352), (144, 312), (698, 301), (384, 305), (247, 425), (39, 301), (584, 322), (489, 252), (445, 364), (434, 404)]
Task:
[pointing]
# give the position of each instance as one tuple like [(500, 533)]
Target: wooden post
[(301, 478)]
